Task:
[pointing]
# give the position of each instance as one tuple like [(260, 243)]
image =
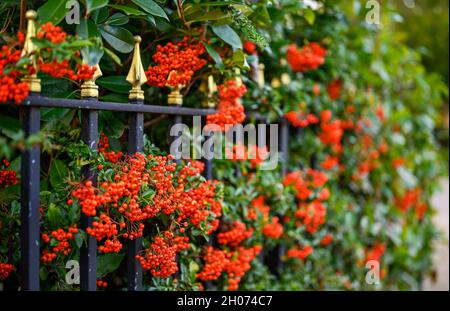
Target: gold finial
[(261, 77), (209, 87), (136, 77), (175, 96), (29, 49), (276, 83), (285, 78), (238, 77), (89, 88)]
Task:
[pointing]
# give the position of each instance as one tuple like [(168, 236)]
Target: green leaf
[(117, 84), (92, 5), (100, 15), (213, 53), (117, 19), (10, 124), (52, 11), (310, 16), (110, 124), (58, 173), (240, 60), (113, 56), (54, 215), (86, 30), (119, 38), (127, 10), (108, 263), (79, 238), (151, 7), (227, 34), (205, 16)]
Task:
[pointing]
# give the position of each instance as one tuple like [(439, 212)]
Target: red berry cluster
[(231, 111), (160, 258), (177, 194), (101, 283), (273, 229), (306, 182), (376, 252), (11, 88), (330, 162), (311, 215), (5, 270), (327, 239), (215, 262), (7, 177), (334, 89), (258, 205), (309, 188), (176, 63), (61, 69), (250, 48), (239, 264), (104, 228), (55, 34), (300, 252), (233, 263), (103, 146), (236, 235), (331, 130), (411, 199), (310, 57), (300, 119), (141, 187), (58, 242), (253, 153)]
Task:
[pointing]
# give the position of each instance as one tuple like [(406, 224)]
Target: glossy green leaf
[(127, 9), (108, 263), (151, 7), (117, 19), (117, 84), (52, 11), (227, 34), (92, 5), (119, 38), (59, 173)]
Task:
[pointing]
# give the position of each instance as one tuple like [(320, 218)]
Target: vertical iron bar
[(30, 189), (284, 145), (274, 256), (177, 119), (208, 174), (88, 255), (135, 144)]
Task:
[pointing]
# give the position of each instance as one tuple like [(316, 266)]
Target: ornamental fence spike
[(136, 76), (29, 49)]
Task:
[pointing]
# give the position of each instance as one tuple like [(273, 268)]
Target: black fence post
[(135, 144), (89, 135), (136, 77), (30, 190), (30, 171), (273, 259)]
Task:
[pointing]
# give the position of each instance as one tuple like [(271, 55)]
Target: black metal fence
[(30, 181), (90, 106)]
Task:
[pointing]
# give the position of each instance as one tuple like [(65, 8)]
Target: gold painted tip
[(31, 15), (137, 39)]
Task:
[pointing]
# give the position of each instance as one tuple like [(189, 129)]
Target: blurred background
[(424, 25)]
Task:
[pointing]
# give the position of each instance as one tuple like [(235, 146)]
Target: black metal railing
[(30, 181), (89, 105)]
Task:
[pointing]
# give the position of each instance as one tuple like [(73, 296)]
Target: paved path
[(441, 258)]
